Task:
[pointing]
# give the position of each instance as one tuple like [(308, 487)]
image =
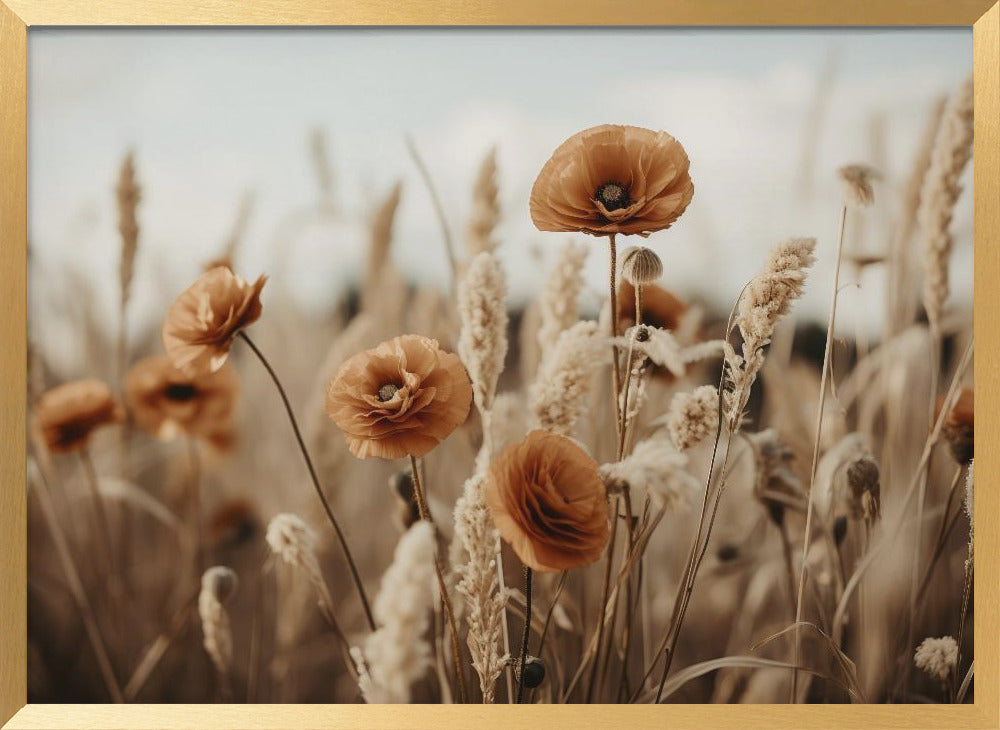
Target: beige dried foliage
[(560, 394), (397, 654), (482, 343), (857, 181), (937, 657), (218, 585), (939, 194), (693, 416), (654, 469), (128, 194), (766, 299), (485, 208), (479, 585), (379, 245), (559, 301)]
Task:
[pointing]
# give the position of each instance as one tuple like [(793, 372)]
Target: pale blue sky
[(211, 113)]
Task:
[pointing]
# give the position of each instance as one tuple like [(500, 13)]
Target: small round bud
[(863, 481), (534, 672), (641, 265)]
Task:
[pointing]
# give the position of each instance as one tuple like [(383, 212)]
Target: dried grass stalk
[(767, 297), (560, 294), (940, 192), (653, 469), (485, 208), (397, 654), (693, 416), (128, 194), (218, 585), (559, 395), (379, 243), (479, 586), (482, 344)]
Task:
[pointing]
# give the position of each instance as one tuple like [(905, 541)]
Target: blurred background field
[(289, 145)]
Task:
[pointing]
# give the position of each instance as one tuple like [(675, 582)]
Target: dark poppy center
[(387, 391), (613, 196), (180, 391)]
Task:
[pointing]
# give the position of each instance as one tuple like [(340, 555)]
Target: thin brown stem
[(599, 630), (315, 481), (616, 376), (421, 497), (786, 552), (806, 538), (966, 592), (425, 175), (526, 635), (552, 606), (948, 522)]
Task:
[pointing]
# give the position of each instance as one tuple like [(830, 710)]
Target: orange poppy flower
[(549, 503), (613, 179), (66, 416), (167, 403), (400, 399), (200, 325)]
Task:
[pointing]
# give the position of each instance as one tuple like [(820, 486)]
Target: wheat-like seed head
[(940, 191), (482, 343), (937, 657), (397, 654), (485, 208), (560, 295), (693, 416), (218, 584)]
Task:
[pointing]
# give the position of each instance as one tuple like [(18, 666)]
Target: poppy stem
[(616, 367), (526, 635), (315, 480), (418, 492)]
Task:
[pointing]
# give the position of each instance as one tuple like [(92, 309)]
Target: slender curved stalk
[(552, 606), (315, 481), (77, 591), (962, 690), (815, 460), (425, 174), (526, 635), (418, 492)]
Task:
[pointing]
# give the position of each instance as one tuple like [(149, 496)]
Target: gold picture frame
[(17, 17)]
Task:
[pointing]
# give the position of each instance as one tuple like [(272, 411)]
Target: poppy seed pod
[(534, 672), (641, 265)]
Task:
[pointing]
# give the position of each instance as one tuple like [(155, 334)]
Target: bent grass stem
[(315, 481)]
